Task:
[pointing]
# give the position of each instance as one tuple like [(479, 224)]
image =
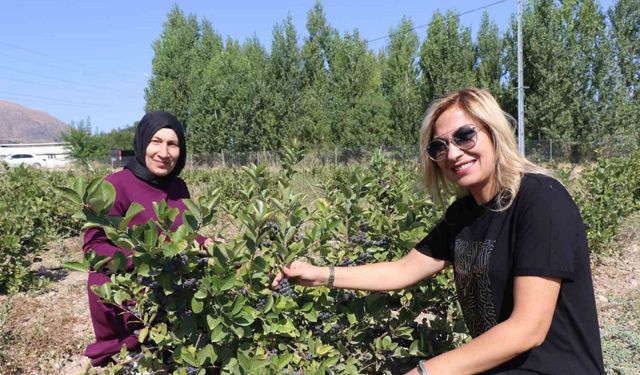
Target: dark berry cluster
[(336, 328), (265, 243), (362, 240), (345, 297), (144, 280), (384, 243), (317, 330), (202, 262), (364, 226), (185, 313), (324, 315), (129, 369), (364, 258), (285, 289), (437, 337), (308, 356), (191, 284), (175, 263), (262, 301)]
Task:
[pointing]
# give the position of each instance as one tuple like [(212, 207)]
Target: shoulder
[(541, 186), (545, 191), (120, 178)]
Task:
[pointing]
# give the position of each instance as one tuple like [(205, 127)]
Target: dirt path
[(46, 332)]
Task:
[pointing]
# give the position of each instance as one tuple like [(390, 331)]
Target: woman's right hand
[(303, 274)]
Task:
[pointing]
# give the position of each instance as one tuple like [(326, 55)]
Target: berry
[(284, 289)]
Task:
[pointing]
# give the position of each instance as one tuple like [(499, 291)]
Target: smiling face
[(162, 152), (472, 169)]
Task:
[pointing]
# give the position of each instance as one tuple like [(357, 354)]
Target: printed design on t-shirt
[(471, 265)]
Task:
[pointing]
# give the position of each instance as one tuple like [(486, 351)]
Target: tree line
[(581, 73)]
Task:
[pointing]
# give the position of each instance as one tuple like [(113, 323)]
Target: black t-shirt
[(541, 234)]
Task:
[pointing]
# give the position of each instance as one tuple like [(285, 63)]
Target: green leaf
[(212, 322), (243, 319), (201, 294), (207, 353), (323, 349), (143, 334), (133, 210), (193, 209), (77, 266), (196, 305), (69, 194), (218, 334)]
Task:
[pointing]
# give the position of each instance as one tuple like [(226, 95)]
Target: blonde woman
[(516, 242)]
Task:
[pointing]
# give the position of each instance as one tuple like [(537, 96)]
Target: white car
[(13, 160)]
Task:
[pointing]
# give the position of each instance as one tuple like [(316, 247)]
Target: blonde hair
[(510, 164)]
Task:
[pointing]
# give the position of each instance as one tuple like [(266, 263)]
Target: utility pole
[(520, 84)]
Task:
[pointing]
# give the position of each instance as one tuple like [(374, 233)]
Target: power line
[(426, 24), (50, 57), (66, 102), (55, 79), (51, 85)]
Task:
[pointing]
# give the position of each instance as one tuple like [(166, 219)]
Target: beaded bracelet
[(332, 276), (422, 370)]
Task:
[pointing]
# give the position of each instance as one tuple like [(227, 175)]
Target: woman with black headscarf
[(152, 176)]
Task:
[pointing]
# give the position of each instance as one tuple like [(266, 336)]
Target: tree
[(170, 87), (546, 68), (317, 50), (400, 83), (83, 145), (285, 83), (446, 57), (117, 138), (489, 56), (625, 35), (360, 115), (567, 70)]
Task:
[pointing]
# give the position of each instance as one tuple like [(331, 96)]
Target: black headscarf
[(147, 127)]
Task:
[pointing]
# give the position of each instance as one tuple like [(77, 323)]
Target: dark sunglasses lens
[(436, 149), (465, 137)]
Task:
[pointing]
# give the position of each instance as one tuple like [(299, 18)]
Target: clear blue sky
[(90, 58)]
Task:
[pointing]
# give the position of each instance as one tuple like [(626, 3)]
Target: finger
[(276, 280)]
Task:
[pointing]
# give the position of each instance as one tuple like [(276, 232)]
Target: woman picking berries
[(515, 240)]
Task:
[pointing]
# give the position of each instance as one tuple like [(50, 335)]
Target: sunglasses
[(464, 138)]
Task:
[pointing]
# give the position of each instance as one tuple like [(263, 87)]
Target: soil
[(45, 332)]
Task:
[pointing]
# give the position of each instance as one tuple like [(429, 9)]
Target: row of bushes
[(32, 215), (606, 191)]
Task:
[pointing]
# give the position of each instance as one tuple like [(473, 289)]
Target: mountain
[(21, 124)]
